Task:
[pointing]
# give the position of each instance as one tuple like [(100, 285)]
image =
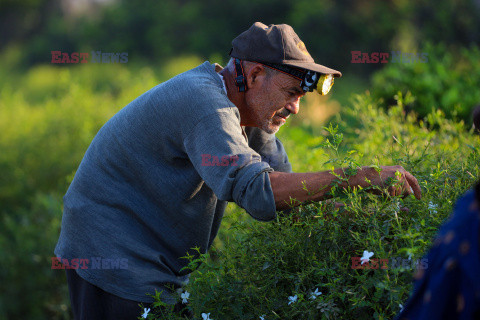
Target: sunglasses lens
[(325, 83)]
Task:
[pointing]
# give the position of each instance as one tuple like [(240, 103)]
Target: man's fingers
[(413, 183), (407, 189), (406, 185), (410, 185)]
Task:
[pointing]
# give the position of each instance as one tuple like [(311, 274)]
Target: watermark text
[(383, 57), (91, 263), (393, 263), (82, 57)]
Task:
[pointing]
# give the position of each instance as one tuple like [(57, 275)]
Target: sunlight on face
[(271, 104)]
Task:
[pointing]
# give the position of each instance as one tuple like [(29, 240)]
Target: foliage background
[(50, 113)]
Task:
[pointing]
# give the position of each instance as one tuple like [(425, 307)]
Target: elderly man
[(157, 177)]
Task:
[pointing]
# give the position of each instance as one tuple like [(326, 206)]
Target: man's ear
[(255, 75)]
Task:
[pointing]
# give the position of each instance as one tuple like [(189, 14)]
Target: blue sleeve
[(448, 287), (269, 147), (219, 152)]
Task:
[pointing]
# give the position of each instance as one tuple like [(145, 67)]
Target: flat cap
[(277, 44)]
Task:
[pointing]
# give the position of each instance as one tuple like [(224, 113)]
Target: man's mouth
[(283, 116)]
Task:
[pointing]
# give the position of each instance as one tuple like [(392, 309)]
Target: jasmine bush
[(47, 123), (447, 81), (276, 270)]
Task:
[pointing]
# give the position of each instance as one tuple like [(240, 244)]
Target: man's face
[(272, 102)]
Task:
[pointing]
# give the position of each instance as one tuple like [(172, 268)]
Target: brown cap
[(277, 44)]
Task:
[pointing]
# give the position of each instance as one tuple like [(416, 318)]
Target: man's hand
[(407, 184)]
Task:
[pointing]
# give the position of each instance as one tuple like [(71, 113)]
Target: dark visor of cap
[(309, 78)]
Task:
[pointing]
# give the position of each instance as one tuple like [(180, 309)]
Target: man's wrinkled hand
[(406, 183)]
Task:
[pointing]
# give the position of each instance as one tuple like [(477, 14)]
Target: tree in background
[(155, 30)]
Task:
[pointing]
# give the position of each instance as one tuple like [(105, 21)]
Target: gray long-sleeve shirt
[(150, 188)]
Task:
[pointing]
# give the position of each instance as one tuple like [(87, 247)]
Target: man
[(157, 177)]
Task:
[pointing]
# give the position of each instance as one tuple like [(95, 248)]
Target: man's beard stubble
[(269, 127)]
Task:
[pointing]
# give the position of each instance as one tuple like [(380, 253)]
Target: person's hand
[(406, 185)]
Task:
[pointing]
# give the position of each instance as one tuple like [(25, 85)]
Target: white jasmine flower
[(206, 316), (185, 296), (262, 317), (366, 256), (145, 312), (292, 299), (397, 206), (432, 207), (401, 307), (315, 294)]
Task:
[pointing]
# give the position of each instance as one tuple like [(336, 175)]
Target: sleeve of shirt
[(269, 147), (271, 150), (219, 152)]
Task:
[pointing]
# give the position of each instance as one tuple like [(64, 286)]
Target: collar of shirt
[(219, 68), (223, 81)]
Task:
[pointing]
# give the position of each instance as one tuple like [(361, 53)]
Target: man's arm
[(288, 186)]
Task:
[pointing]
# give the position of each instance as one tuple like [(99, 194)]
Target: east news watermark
[(386, 57), (210, 160), (392, 263), (90, 263), (84, 57)]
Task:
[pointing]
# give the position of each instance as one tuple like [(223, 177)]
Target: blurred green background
[(49, 113)]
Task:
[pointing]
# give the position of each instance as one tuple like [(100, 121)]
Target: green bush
[(47, 125), (30, 288), (262, 264), (449, 81)]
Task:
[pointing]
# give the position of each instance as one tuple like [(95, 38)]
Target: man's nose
[(294, 106)]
